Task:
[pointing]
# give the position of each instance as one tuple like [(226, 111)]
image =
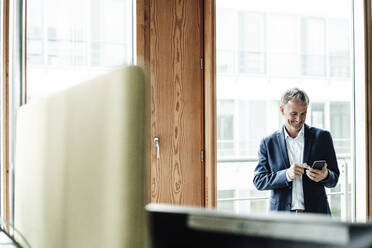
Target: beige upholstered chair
[(80, 165)]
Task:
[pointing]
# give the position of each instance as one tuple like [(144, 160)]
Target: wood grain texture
[(176, 101), (143, 55), (5, 112), (143, 31), (210, 103), (368, 69)]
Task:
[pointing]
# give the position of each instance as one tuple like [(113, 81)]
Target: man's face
[(295, 116)]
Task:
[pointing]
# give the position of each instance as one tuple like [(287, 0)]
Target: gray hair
[(295, 93)]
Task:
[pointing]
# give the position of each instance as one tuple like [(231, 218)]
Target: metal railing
[(343, 173)]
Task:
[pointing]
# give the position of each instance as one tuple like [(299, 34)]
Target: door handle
[(157, 145)]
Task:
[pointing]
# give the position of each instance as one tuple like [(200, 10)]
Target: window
[(250, 130), (340, 126), (71, 41), (226, 195), (317, 115), (251, 43), (338, 47), (35, 40), (225, 134), (280, 46), (313, 47), (226, 53), (283, 42)]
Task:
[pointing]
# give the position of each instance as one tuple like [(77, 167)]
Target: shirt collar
[(300, 134)]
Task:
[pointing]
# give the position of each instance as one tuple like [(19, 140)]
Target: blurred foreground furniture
[(184, 227), (80, 165)]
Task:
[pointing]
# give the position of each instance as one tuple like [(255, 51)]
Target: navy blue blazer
[(270, 172)]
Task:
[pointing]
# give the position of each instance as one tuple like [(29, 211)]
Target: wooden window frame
[(5, 210), (210, 102), (368, 107), (13, 95)]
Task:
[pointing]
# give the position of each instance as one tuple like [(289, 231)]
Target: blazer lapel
[(283, 147), (307, 146)]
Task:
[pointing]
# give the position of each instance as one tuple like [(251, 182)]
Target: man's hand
[(296, 170), (317, 175)]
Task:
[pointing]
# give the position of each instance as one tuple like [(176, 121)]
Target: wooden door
[(171, 46)]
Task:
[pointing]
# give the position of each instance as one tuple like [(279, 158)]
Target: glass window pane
[(237, 177), (71, 41), (263, 48)]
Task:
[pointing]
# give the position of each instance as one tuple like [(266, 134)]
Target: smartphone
[(318, 164)]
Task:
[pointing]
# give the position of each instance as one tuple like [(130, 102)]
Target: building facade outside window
[(251, 43), (313, 47)]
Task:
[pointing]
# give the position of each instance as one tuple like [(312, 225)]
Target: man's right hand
[(296, 170)]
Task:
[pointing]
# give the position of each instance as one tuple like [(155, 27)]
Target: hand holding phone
[(318, 164)]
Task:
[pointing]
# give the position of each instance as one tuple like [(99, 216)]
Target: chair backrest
[(80, 164)]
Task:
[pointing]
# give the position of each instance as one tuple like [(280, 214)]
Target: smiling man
[(285, 158)]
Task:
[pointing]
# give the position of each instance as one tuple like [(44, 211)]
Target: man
[(284, 160)]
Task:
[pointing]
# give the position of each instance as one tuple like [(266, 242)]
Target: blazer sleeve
[(332, 166), (264, 178)]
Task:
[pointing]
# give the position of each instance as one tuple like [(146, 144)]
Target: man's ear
[(282, 110)]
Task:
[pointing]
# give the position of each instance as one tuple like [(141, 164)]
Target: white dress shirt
[(295, 150)]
